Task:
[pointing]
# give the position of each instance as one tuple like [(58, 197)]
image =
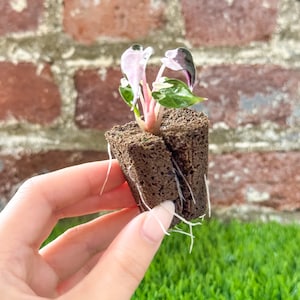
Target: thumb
[(125, 262)]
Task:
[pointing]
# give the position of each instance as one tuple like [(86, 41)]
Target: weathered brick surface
[(86, 21), (269, 179), (219, 23), (239, 94), (18, 16), (99, 104), (246, 94), (14, 170), (27, 93)]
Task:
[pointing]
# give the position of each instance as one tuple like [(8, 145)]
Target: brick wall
[(59, 73)]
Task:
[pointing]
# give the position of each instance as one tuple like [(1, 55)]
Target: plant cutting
[(164, 153), (165, 92)]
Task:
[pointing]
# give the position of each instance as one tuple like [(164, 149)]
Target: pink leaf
[(181, 59), (133, 66)]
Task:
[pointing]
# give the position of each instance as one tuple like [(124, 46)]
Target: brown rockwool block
[(146, 162), (155, 166), (185, 134)]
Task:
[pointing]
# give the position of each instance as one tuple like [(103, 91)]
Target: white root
[(184, 179), (178, 230), (179, 190), (191, 225), (149, 209), (208, 196), (108, 169), (190, 189)]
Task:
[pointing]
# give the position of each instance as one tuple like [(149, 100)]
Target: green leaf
[(176, 94), (127, 95)]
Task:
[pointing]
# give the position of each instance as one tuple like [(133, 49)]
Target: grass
[(234, 260)]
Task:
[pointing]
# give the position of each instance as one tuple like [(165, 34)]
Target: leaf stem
[(160, 73)]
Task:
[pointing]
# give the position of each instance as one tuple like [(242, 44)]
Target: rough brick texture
[(14, 170), (246, 94), (269, 179), (99, 104), (219, 23), (28, 93), (86, 21), (247, 56), (18, 16)]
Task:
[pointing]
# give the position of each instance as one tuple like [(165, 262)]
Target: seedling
[(147, 102)]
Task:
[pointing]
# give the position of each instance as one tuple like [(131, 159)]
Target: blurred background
[(59, 78)]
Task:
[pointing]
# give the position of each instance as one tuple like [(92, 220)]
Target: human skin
[(103, 259)]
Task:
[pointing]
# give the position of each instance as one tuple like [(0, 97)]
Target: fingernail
[(158, 221)]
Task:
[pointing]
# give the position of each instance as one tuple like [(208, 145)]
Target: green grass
[(236, 261)]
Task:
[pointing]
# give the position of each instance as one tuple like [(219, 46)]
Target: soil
[(154, 165)]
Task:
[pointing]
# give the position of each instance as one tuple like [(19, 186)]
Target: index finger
[(34, 210)]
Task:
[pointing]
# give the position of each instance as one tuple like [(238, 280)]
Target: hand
[(103, 259)]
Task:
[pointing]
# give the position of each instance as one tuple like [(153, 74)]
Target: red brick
[(86, 21), (245, 94), (14, 170), (99, 104), (16, 18), (27, 94), (269, 179), (220, 23)]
